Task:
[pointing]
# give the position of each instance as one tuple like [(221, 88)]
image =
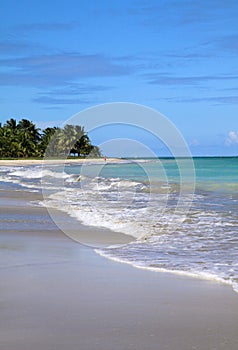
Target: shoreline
[(106, 237), (22, 162), (56, 293), (15, 162), (176, 273)]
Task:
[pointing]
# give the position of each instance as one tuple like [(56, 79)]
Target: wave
[(199, 275), (38, 174), (168, 240)]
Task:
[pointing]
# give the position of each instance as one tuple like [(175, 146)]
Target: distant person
[(105, 158)]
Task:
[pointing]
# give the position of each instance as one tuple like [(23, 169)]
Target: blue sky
[(176, 56)]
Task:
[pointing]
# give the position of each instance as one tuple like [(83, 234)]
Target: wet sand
[(58, 294)]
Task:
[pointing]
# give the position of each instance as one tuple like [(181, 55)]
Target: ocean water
[(180, 223)]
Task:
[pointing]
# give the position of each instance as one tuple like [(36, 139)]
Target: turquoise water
[(217, 170), (182, 214)]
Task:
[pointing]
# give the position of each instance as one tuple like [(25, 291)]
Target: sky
[(178, 57)]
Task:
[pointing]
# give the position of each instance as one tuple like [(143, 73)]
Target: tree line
[(23, 140)]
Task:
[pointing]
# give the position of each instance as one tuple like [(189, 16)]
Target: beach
[(58, 294), (22, 162)]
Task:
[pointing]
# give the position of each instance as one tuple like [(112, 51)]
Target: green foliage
[(23, 140)]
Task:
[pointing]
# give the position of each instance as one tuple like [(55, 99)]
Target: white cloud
[(232, 138)]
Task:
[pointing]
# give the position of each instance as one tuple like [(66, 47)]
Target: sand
[(22, 162), (58, 294)]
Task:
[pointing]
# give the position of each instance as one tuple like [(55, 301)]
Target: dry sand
[(57, 294), (22, 162)]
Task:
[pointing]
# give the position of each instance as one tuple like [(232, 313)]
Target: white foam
[(38, 174), (92, 217), (193, 247), (197, 275)]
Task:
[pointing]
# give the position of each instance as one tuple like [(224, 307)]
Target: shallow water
[(176, 229)]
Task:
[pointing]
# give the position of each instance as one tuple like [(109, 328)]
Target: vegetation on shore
[(25, 140)]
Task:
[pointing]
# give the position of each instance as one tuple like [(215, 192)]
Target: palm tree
[(11, 123), (79, 131), (47, 139), (23, 139), (9, 141), (28, 137), (83, 146), (67, 138)]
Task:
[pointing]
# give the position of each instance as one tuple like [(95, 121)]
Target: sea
[(181, 214)]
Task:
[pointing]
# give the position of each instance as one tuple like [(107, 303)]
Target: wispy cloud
[(48, 100), (232, 138), (58, 69), (42, 26), (228, 43), (191, 12), (10, 48), (161, 79), (183, 12), (76, 89), (217, 100), (189, 55), (69, 94), (214, 100)]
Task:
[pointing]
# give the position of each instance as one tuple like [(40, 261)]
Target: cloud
[(232, 138), (75, 89), (69, 94), (61, 101), (215, 100), (189, 55), (205, 12), (183, 12), (11, 48), (42, 26), (160, 79), (229, 43), (58, 69)]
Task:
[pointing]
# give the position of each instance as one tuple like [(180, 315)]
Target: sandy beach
[(58, 294), (22, 162)]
